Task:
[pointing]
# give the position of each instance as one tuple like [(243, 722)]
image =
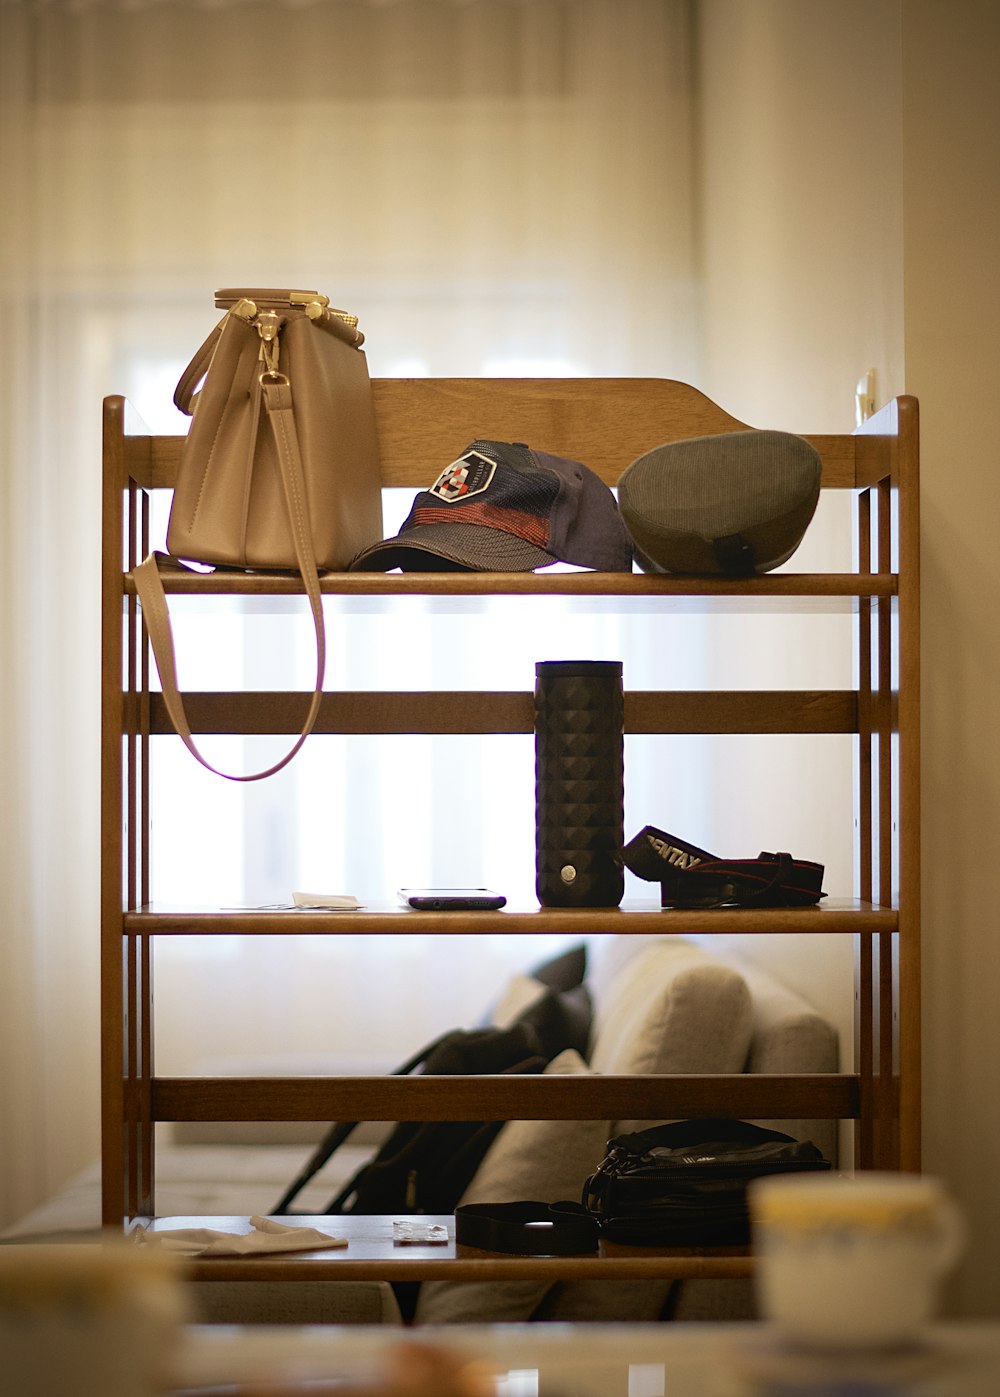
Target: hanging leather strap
[(277, 395), (184, 393)]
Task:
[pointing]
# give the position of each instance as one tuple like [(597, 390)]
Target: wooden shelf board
[(605, 590), (832, 915), (372, 1255)]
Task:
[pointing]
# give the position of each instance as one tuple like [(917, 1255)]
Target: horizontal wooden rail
[(818, 1096), (381, 713), (619, 592), (449, 1263)]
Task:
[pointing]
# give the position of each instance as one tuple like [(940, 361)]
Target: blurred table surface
[(952, 1359), (371, 1254)]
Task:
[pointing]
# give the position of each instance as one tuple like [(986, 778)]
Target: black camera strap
[(527, 1229), (692, 877)]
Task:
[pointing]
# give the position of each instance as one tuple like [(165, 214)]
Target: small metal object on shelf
[(405, 1233)]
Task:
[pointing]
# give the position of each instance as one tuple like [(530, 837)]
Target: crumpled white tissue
[(266, 1238)]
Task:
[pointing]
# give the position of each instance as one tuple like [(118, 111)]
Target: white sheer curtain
[(494, 187)]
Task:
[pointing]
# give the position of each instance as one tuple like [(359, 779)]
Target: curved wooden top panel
[(423, 423), (604, 422)]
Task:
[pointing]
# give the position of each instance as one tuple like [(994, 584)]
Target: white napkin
[(266, 1238)]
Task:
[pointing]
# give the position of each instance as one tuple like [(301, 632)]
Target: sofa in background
[(659, 1005)]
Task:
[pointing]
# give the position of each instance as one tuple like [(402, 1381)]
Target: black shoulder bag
[(684, 1184)]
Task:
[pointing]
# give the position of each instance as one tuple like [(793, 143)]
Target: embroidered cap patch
[(469, 475)]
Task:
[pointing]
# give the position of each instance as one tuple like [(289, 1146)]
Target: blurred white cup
[(851, 1262)]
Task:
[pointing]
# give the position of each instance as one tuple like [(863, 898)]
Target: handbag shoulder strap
[(196, 371), (149, 584)]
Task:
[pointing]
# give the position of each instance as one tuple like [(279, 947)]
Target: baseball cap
[(502, 507)]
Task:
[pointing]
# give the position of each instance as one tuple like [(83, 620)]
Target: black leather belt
[(527, 1229)]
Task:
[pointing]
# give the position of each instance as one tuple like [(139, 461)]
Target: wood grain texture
[(616, 589), (606, 423), (483, 712), (110, 814), (506, 1097), (839, 915), (371, 1254), (906, 466)]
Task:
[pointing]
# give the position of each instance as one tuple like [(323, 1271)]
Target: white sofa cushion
[(670, 1007), (789, 1035)]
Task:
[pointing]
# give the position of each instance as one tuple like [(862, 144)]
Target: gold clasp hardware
[(317, 310), (305, 298), (245, 309), (268, 326)]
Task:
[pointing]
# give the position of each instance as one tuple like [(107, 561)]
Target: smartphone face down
[(453, 899)]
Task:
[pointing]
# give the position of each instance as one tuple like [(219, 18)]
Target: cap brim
[(451, 547)]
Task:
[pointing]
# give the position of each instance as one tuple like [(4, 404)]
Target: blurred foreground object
[(852, 1263), (88, 1319)]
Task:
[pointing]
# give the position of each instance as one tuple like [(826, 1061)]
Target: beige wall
[(801, 215), (850, 220), (951, 199)]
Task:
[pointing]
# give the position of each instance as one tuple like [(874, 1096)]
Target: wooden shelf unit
[(606, 423)]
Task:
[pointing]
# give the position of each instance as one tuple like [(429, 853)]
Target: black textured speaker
[(579, 783)]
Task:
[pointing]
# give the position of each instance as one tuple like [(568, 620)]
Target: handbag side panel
[(229, 504)]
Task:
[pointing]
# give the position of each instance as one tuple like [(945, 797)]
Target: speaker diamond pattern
[(579, 784)]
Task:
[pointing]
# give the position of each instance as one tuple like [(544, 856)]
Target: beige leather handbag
[(279, 470)]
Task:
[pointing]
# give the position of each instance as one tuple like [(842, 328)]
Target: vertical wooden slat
[(864, 643), (127, 1166), (144, 998), (132, 843), (114, 1150), (130, 950), (145, 1171), (131, 663), (864, 1046), (144, 726), (864, 1050), (883, 716), (132, 947), (906, 479), (886, 1152)]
